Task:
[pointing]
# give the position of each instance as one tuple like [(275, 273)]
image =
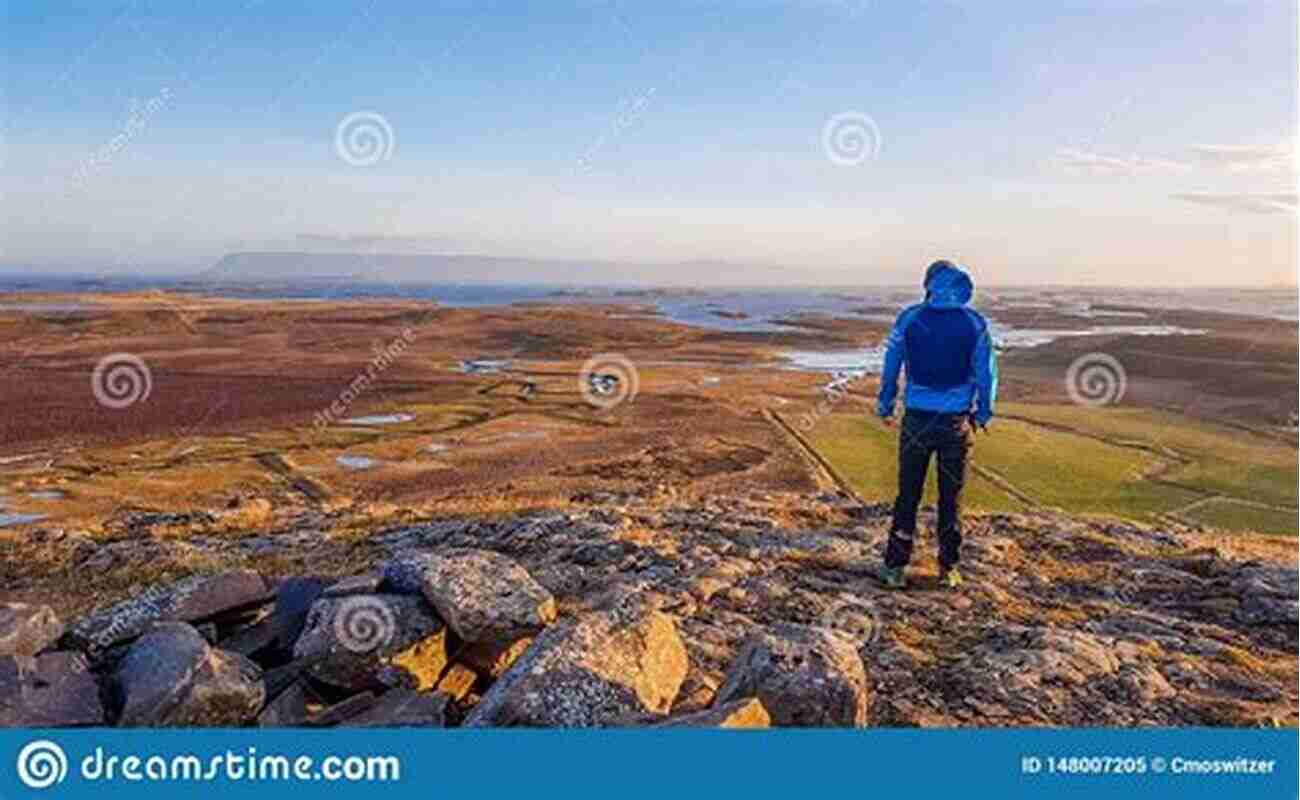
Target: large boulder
[(171, 677), (484, 596), (193, 599), (25, 630), (602, 669), (369, 641), (49, 690), (804, 676)]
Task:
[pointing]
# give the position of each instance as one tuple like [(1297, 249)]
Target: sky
[(1101, 142)]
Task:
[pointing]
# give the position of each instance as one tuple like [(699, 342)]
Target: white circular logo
[(855, 618), (121, 380), (364, 138), (850, 138), (1096, 379), (364, 623), (42, 764), (607, 380)]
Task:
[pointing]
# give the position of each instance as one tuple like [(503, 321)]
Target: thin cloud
[(1254, 203), (1247, 158)]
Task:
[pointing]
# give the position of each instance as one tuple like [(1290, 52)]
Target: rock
[(25, 630), (365, 583), (605, 667), (458, 682), (804, 676), (402, 708), (288, 709), (49, 690), (492, 660), (484, 596), (170, 677), (193, 599), (369, 641), (736, 714), (293, 601), (344, 710), (1259, 610)]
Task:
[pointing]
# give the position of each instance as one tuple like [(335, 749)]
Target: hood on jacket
[(947, 286)]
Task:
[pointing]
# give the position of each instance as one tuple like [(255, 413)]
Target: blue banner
[(421, 763)]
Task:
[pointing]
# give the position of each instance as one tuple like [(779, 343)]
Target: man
[(951, 385)]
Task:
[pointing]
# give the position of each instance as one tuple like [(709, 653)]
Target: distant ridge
[(467, 268)]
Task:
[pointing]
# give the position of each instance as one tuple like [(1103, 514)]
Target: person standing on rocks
[(951, 386)]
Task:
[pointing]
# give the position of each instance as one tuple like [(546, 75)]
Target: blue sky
[(1090, 142)]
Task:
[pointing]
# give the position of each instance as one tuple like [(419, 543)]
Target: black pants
[(922, 434)]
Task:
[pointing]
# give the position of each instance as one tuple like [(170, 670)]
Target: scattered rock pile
[(742, 612)]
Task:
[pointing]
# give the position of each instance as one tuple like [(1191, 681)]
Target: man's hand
[(888, 421)]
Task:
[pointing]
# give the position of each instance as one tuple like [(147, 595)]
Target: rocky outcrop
[(804, 676), (602, 669), (171, 677), (701, 613)]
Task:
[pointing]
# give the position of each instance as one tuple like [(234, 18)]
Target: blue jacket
[(948, 352)]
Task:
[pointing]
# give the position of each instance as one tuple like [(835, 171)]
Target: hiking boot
[(892, 577), (950, 578)]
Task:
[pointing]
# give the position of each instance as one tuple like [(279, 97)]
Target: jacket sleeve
[(985, 365), (895, 353)]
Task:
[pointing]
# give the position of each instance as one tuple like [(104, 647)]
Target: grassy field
[(1131, 463), (865, 453)]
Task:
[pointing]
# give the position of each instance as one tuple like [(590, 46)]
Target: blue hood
[(948, 287)]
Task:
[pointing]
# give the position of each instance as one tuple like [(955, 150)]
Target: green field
[(1117, 462)]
